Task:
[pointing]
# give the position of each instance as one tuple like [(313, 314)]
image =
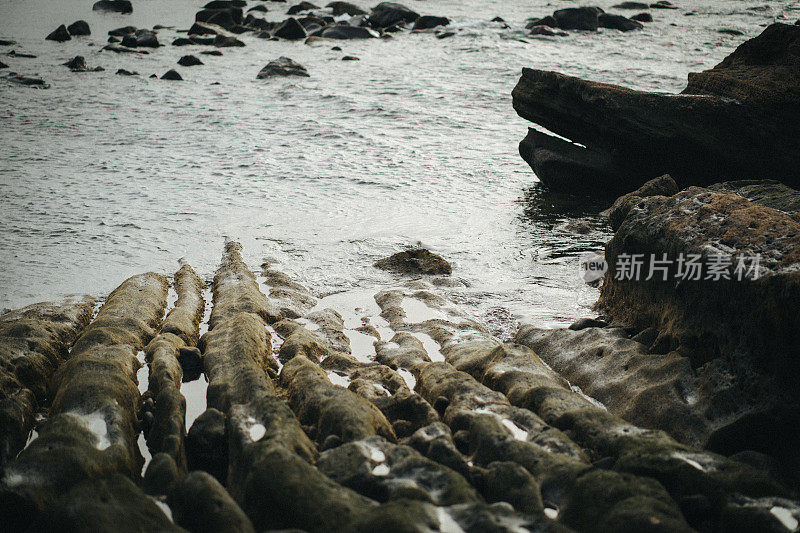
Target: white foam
[(786, 517), (551, 513), (381, 470)]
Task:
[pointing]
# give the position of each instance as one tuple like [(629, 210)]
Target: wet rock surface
[(415, 261), (283, 66), (714, 131)]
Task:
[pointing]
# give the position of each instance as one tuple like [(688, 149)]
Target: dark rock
[(211, 52), (37, 83), (114, 39), (117, 6), (182, 41), (350, 58), (224, 18), (191, 361), (201, 504), (663, 4), (428, 21), (225, 4), (578, 18), (161, 475), (544, 21), (584, 323), (172, 74), (345, 8), (415, 261), (290, 29), (445, 34), (768, 193), (190, 357), (261, 8), (123, 72), (347, 32), (207, 445), (302, 6), (3, 65), (728, 31), (259, 24), (123, 50), (509, 482), (663, 185), (224, 41), (80, 27), (59, 35), (78, 64), (544, 30), (498, 19), (696, 139), (642, 17), (618, 22), (201, 28), (388, 14), (336, 48), (141, 39), (6, 42), (283, 66), (123, 31), (630, 5)]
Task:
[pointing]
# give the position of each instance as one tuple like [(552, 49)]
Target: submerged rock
[(78, 64), (59, 35), (347, 32), (699, 137), (618, 22), (388, 14), (283, 66), (345, 8), (37, 83), (642, 17), (123, 72), (415, 261), (117, 6), (428, 21), (80, 27)]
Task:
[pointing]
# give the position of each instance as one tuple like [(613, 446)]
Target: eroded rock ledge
[(739, 120)]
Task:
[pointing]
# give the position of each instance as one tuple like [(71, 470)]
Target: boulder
[(347, 32), (226, 41), (141, 39), (630, 5), (117, 6), (578, 18), (549, 20), (3, 65), (189, 61), (544, 30), (260, 8), (201, 504), (123, 72), (415, 261), (663, 186), (225, 18), (618, 22), (428, 21), (388, 14), (207, 445), (79, 27), (663, 4), (172, 74), (37, 83), (290, 29), (702, 136), (302, 6), (78, 64), (225, 4), (345, 8), (182, 41), (283, 66), (59, 35), (642, 17), (123, 31)]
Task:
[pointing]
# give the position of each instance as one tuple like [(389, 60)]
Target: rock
[(173, 75), (182, 41), (428, 21), (347, 32), (207, 445), (630, 5), (224, 18), (509, 482), (415, 261), (768, 193), (498, 19), (290, 29), (80, 27), (663, 4), (117, 6), (699, 137), (663, 186), (123, 72), (123, 50), (350, 58), (123, 31), (345, 8), (225, 4), (141, 39), (642, 17), (259, 24), (59, 35), (544, 21), (3, 65), (388, 14), (161, 475), (445, 34), (302, 6), (77, 64), (544, 30), (224, 41), (28, 81), (283, 66), (728, 31), (260, 8), (201, 504), (618, 22), (578, 18), (6, 42)]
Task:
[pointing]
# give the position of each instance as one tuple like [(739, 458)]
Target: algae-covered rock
[(415, 261)]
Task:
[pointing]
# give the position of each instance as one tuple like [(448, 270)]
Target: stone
[(59, 35), (661, 186), (207, 446), (172, 74), (345, 8), (578, 18), (78, 64), (388, 14), (302, 6), (283, 66), (123, 72), (415, 261), (290, 29), (225, 41), (663, 4), (200, 504), (79, 27), (116, 6), (642, 17), (161, 475), (630, 5), (347, 32), (428, 21), (618, 22), (123, 31)]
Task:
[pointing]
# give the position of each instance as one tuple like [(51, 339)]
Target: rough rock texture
[(117, 6), (283, 66), (746, 325), (92, 426), (79, 27), (700, 137), (59, 35), (661, 186), (33, 343), (342, 8), (290, 29), (388, 14), (415, 261), (200, 504)]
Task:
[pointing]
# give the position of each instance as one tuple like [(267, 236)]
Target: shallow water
[(106, 176)]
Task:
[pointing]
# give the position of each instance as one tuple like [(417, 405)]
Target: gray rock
[(283, 66)]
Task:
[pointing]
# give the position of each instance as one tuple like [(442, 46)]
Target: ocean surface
[(105, 176)]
